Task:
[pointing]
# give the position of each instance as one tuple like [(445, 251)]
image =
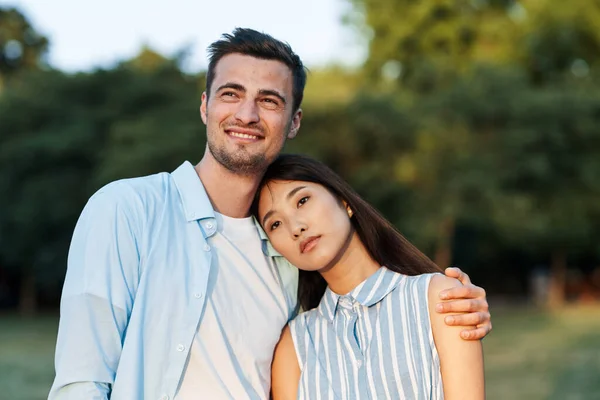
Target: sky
[(87, 34)]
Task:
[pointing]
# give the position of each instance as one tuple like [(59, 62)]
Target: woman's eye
[(275, 224), (302, 200)]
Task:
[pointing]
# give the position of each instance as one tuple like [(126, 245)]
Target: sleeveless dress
[(373, 343)]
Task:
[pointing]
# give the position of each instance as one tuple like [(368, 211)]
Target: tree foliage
[(21, 46), (473, 126)]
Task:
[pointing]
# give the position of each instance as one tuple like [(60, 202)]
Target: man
[(172, 290)]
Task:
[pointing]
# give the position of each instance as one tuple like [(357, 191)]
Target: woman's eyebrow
[(294, 191), (290, 194)]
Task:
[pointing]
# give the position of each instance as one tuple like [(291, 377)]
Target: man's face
[(248, 112)]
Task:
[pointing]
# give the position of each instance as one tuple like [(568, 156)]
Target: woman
[(369, 330)]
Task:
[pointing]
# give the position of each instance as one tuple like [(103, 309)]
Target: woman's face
[(305, 223)]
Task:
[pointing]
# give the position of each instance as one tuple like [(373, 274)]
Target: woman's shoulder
[(421, 281), (441, 282), (305, 317), (418, 290)]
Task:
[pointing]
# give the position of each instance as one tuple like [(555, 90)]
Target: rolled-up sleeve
[(100, 286)]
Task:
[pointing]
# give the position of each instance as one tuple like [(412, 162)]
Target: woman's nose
[(298, 230)]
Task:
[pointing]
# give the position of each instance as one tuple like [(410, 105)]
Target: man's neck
[(230, 194)]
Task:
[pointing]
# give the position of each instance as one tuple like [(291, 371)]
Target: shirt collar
[(196, 203), (268, 248), (368, 293)]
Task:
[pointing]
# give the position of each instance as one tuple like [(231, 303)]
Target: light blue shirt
[(373, 343), (135, 288)]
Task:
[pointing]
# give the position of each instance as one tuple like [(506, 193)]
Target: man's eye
[(270, 103), (302, 200), (275, 224)]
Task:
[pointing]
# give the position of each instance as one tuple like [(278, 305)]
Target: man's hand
[(468, 299)]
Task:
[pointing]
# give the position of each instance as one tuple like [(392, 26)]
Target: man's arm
[(461, 361), (471, 301), (97, 298)]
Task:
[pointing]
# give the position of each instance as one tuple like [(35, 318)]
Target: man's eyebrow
[(268, 92), (232, 85), (288, 196), (262, 92)]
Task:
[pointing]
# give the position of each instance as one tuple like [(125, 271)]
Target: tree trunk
[(558, 275), (443, 253), (27, 294)]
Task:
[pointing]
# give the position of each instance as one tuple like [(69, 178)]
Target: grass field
[(530, 355)]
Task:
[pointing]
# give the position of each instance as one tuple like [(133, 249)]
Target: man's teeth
[(243, 135)]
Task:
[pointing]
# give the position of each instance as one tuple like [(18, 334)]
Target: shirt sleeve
[(100, 286)]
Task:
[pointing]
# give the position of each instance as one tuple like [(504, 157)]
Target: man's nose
[(247, 112)]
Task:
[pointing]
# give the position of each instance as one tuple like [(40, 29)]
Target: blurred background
[(473, 125)]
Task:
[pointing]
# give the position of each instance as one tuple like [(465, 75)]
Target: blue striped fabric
[(373, 343)]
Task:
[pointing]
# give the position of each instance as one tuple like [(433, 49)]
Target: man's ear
[(295, 125), (203, 107)]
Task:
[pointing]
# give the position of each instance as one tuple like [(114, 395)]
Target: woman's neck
[(353, 267)]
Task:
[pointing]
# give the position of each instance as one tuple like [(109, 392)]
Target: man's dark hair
[(260, 45)]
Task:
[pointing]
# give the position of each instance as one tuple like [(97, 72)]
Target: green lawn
[(530, 355), (26, 357)]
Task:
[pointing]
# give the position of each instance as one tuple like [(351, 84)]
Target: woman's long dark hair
[(383, 242)]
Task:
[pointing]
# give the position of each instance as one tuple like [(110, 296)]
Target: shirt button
[(198, 295), (180, 347), (359, 363), (209, 225), (164, 397), (206, 247)]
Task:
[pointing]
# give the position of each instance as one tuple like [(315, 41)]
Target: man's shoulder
[(136, 199), (133, 190)]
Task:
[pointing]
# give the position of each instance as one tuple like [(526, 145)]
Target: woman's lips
[(309, 243)]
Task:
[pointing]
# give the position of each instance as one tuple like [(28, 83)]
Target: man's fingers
[(463, 292), (462, 306), (455, 272), (476, 334), (474, 319)]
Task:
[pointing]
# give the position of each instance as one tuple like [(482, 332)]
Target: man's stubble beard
[(240, 162)]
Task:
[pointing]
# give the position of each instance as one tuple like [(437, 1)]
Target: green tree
[(548, 160), (63, 136), (21, 46), (427, 42), (450, 169), (415, 39), (561, 37)]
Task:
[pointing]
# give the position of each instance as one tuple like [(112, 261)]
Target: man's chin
[(244, 166), (239, 161)]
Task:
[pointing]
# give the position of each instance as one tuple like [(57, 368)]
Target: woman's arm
[(285, 371), (461, 361)]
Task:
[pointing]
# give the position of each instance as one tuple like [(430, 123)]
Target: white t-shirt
[(245, 311)]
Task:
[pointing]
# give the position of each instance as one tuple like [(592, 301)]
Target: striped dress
[(373, 343)]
